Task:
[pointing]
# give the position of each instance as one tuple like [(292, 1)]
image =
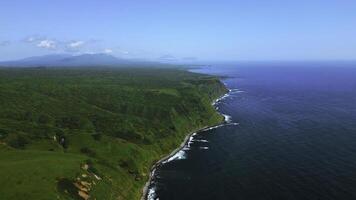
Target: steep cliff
[(95, 133)]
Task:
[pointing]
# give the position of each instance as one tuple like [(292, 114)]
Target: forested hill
[(94, 133)]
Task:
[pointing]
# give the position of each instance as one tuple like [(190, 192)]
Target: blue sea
[(290, 134)]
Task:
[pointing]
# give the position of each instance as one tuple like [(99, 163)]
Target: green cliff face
[(79, 133)]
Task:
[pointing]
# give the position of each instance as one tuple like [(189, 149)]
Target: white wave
[(190, 140), (220, 98), (152, 194), (220, 125), (197, 140), (178, 156), (227, 118), (181, 154), (235, 90), (213, 127), (231, 91), (188, 144)]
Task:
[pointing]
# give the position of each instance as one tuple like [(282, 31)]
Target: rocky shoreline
[(145, 190)]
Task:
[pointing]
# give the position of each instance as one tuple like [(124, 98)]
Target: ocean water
[(291, 135)]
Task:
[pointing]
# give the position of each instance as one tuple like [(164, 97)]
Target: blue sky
[(181, 29)]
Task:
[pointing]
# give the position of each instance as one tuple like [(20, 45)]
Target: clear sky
[(181, 29)]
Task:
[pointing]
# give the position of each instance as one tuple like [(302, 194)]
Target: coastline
[(160, 161), (145, 190)]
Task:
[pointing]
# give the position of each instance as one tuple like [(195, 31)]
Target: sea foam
[(181, 154), (151, 195), (177, 156), (227, 118)]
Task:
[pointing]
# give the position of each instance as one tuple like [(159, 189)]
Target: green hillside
[(94, 133)]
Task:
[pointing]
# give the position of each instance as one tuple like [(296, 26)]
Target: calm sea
[(295, 137)]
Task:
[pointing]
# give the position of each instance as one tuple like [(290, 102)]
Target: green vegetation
[(74, 133)]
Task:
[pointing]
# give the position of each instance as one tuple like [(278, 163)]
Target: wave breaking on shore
[(181, 153)]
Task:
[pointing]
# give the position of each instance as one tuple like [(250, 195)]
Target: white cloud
[(33, 39), (76, 44), (47, 44), (108, 51), (71, 46)]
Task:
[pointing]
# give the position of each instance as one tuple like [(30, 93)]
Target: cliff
[(95, 133)]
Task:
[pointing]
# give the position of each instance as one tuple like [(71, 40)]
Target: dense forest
[(79, 133)]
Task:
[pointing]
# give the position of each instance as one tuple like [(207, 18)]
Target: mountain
[(36, 60), (83, 60)]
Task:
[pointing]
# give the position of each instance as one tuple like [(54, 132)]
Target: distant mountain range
[(83, 60)]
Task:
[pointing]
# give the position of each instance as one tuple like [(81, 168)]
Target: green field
[(94, 131)]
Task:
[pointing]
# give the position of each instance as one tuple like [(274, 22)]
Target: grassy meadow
[(90, 133)]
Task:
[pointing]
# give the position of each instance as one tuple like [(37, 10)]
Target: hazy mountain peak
[(47, 57), (67, 60)]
